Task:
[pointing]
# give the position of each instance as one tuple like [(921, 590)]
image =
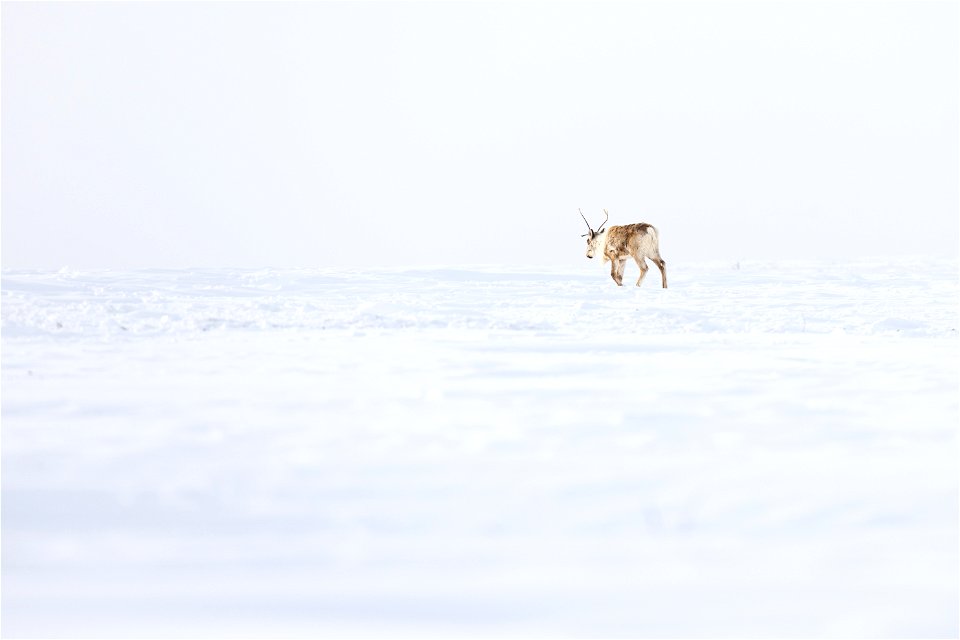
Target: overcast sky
[(363, 133)]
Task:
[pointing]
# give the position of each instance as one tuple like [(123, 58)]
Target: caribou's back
[(638, 240)]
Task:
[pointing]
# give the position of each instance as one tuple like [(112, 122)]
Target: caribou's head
[(593, 237)]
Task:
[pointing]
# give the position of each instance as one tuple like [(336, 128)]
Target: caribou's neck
[(602, 244)]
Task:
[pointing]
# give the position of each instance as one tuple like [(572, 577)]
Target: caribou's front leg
[(616, 270)]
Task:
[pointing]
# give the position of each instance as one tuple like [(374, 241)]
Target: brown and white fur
[(619, 243)]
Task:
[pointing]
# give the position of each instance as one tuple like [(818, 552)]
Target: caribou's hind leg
[(643, 269), (662, 265)]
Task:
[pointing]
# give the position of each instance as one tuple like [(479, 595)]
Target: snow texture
[(764, 449)]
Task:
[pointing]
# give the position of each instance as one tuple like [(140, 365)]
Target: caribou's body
[(619, 243)]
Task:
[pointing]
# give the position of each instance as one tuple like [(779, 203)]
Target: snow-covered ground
[(764, 449)]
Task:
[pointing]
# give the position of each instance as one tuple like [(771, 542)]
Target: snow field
[(769, 450)]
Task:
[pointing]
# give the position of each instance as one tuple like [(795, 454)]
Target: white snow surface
[(764, 449)]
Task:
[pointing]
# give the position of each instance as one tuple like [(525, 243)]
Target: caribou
[(639, 241)]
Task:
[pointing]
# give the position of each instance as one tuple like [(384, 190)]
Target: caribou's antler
[(585, 220), (604, 222)]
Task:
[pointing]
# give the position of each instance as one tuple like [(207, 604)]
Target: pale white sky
[(363, 133)]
